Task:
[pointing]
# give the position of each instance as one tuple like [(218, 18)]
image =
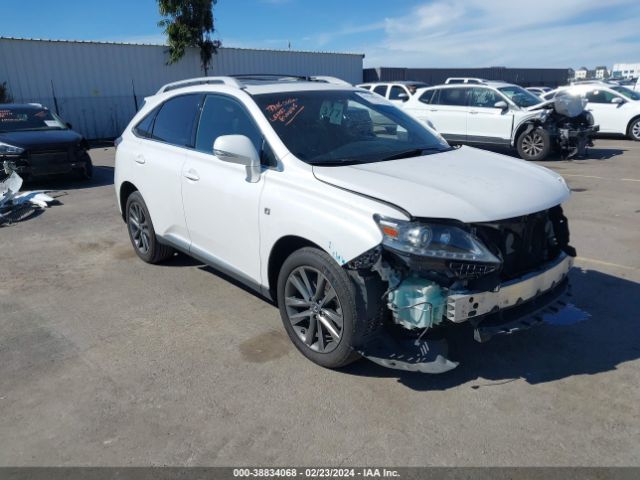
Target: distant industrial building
[(98, 86), (527, 77), (625, 70)]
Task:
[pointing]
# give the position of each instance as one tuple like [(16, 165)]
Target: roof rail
[(453, 80), (266, 77), (200, 81)]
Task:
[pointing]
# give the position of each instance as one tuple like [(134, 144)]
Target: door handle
[(473, 112), (140, 159), (192, 175), (433, 109)]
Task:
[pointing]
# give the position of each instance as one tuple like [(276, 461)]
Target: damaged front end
[(568, 123), (500, 277)]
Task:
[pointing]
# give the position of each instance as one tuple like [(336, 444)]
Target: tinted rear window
[(174, 122), (452, 96)]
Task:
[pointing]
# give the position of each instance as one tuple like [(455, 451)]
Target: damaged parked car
[(505, 115), (373, 243), (35, 142)]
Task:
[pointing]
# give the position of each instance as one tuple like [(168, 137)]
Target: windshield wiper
[(414, 152)]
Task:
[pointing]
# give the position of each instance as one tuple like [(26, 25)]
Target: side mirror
[(403, 96), (617, 100), (240, 150), (502, 105)]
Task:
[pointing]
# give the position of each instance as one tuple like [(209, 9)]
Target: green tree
[(5, 96), (189, 23)]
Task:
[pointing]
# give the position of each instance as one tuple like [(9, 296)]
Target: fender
[(534, 119), (338, 221)]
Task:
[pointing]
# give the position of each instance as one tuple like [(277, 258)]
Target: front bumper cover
[(464, 306)]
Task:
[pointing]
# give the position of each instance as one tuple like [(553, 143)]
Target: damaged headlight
[(6, 149), (433, 240)]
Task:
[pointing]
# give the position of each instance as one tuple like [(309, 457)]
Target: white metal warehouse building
[(98, 86)]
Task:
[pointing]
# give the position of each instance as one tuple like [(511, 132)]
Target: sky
[(391, 33)]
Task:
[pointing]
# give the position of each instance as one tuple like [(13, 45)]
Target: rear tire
[(633, 132), (317, 302), (141, 233), (534, 144)]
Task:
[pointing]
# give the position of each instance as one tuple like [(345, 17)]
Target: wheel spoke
[(330, 295), (307, 284), (319, 287), (333, 316), (311, 332), (298, 317), (327, 324), (321, 344), (300, 287), (296, 302)]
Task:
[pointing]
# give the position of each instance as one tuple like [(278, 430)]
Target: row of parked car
[(481, 112)]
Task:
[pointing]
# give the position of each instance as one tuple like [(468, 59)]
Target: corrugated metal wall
[(548, 77), (97, 86)]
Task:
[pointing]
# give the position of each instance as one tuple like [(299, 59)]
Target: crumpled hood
[(464, 184)]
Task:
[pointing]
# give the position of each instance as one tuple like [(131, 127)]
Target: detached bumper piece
[(409, 354)]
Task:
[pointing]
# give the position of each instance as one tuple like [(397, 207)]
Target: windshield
[(17, 119), (520, 96), (331, 127), (627, 92)]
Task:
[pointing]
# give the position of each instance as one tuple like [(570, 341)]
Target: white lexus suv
[(373, 242)]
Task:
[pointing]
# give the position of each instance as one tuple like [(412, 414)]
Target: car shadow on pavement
[(546, 353), (102, 176), (593, 153)]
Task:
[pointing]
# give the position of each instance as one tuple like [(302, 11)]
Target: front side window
[(600, 96), (484, 97), (17, 119), (452, 96), (520, 96), (174, 122), (224, 116), (334, 127), (627, 92)]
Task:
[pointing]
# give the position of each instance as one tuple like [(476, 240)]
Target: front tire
[(141, 232), (317, 302), (634, 130), (534, 144)]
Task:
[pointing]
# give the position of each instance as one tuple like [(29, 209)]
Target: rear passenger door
[(486, 123), (164, 135), (448, 112), (221, 207)]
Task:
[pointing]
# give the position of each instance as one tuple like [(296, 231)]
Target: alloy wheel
[(314, 310), (139, 228), (635, 130), (533, 144)]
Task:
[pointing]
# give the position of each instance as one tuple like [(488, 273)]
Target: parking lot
[(105, 360)]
